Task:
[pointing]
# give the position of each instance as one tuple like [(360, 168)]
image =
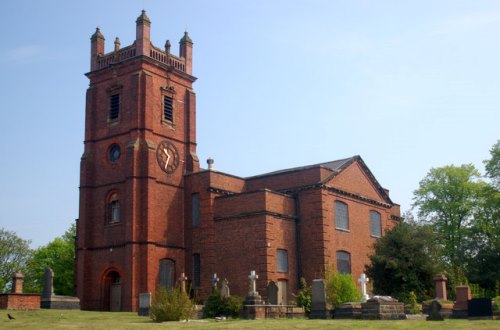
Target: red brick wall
[(22, 301)]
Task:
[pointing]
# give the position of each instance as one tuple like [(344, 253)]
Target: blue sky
[(408, 85)]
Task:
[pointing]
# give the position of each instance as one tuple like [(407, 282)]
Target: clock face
[(114, 153), (167, 156)]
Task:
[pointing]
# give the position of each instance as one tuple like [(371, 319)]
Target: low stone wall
[(22, 301), (383, 310), (347, 311), (272, 311), (60, 302)]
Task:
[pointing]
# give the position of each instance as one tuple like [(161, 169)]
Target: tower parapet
[(142, 46)]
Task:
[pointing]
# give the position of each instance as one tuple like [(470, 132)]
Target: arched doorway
[(112, 292)]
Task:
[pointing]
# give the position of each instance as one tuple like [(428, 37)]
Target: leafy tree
[(304, 297), (59, 256), (14, 255), (171, 305), (447, 198), (492, 165), (405, 259)]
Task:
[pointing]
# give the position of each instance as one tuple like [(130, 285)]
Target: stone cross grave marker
[(252, 290), (224, 290), (182, 280), (214, 281), (48, 283), (363, 280), (272, 293)]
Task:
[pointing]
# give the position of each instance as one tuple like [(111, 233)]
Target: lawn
[(61, 319)]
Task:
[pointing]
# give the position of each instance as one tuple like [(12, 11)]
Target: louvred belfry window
[(114, 106), (168, 108)]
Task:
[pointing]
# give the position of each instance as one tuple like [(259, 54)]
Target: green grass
[(61, 319)]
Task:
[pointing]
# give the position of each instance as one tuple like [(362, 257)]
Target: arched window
[(375, 224), (167, 273), (341, 216), (113, 208), (343, 262)]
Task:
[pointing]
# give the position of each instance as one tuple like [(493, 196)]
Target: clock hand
[(165, 150)]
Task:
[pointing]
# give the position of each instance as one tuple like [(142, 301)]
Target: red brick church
[(149, 213)]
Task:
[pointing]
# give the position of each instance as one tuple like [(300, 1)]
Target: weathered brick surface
[(22, 301)]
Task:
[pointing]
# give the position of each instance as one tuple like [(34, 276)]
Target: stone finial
[(186, 39), (97, 34), (143, 18), (17, 282), (210, 163), (167, 47), (117, 44)]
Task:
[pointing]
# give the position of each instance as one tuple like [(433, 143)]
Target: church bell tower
[(140, 141)]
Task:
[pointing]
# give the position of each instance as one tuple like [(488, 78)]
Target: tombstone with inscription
[(319, 308), (272, 293), (144, 304), (435, 311), (224, 290), (480, 308)]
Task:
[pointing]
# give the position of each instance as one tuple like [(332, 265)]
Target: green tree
[(447, 199), (14, 255), (405, 259), (59, 256), (492, 165), (340, 288)]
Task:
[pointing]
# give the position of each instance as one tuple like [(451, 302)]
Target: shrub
[(341, 288), (215, 305), (496, 303), (304, 298), (171, 305), (415, 307)]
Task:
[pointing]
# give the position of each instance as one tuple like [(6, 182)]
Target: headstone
[(48, 283), (383, 308), (319, 308), (252, 307), (214, 281), (224, 290), (440, 280), (363, 280), (144, 304), (252, 289), (463, 295), (182, 280), (17, 283), (434, 311), (272, 293), (480, 308)]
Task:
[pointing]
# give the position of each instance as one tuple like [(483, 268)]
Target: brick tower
[(139, 143)]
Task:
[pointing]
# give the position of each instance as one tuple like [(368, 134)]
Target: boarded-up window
[(114, 106), (341, 216), (167, 273), (195, 209), (343, 262), (282, 261), (196, 270), (375, 224)]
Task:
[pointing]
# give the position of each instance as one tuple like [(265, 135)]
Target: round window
[(114, 153)]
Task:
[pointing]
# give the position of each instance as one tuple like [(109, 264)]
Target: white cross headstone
[(183, 280), (252, 277), (214, 281), (363, 280)]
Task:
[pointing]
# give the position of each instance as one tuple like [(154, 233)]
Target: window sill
[(375, 236), (344, 230)]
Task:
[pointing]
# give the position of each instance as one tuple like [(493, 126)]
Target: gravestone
[(363, 280), (17, 283), (182, 280), (272, 293), (48, 283), (440, 280), (463, 295), (480, 308), (434, 311), (214, 281), (319, 308), (144, 304), (383, 308), (224, 290), (252, 307)]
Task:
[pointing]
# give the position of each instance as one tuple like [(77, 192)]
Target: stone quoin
[(149, 212)]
